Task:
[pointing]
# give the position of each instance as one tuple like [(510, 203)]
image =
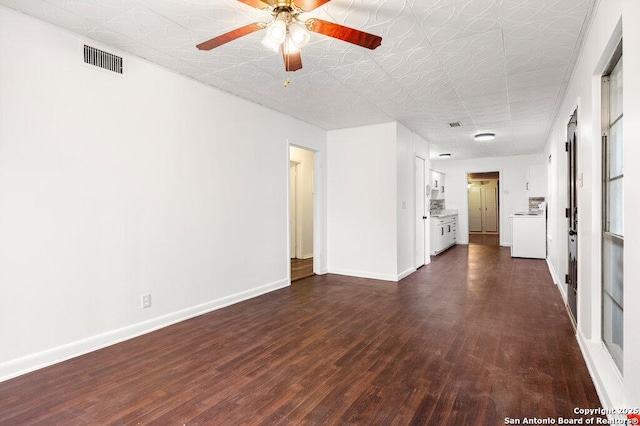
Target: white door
[(475, 209), (293, 192), (490, 208), (421, 212)]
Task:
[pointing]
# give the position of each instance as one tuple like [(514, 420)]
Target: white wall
[(114, 187), (631, 34), (408, 145), (371, 200), (513, 188), (611, 20), (305, 160), (361, 207)]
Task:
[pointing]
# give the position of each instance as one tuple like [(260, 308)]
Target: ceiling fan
[(288, 33)]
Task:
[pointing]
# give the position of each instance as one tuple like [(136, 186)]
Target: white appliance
[(529, 235)]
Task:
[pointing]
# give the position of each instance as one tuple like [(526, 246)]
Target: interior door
[(572, 214), (421, 212), (293, 193), (490, 208), (475, 209)]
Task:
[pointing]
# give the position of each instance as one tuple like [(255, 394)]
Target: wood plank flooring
[(301, 268), (484, 239), (471, 338)]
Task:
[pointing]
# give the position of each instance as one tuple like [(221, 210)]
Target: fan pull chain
[(288, 80)]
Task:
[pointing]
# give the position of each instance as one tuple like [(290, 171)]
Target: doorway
[(572, 215), (301, 163), (484, 208), (422, 226)]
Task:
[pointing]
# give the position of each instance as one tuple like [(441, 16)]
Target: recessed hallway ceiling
[(498, 66)]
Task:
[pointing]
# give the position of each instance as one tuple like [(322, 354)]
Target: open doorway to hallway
[(484, 208), (301, 207)]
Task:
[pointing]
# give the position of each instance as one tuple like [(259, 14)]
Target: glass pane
[(612, 329), (615, 210), (612, 268), (615, 150), (615, 92)]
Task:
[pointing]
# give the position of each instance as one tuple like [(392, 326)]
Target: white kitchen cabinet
[(437, 185), (537, 181), (443, 233)]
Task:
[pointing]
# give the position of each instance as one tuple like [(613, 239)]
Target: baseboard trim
[(307, 256), (20, 366), (406, 273), (359, 274), (554, 276), (556, 281)]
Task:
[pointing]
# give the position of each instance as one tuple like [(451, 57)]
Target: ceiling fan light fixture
[(277, 32), (288, 34), (290, 46), (482, 137), (299, 35), (270, 44)]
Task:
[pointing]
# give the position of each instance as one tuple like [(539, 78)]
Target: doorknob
[(572, 232), (424, 217)]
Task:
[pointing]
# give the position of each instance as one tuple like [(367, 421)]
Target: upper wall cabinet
[(537, 181), (437, 185)]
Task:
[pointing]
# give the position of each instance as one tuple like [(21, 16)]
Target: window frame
[(606, 234)]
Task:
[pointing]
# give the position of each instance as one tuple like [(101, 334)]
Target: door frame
[(296, 237), (464, 227), (425, 213), (571, 214), (483, 204), (319, 212)]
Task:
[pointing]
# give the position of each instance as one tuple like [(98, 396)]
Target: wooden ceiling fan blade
[(258, 4), (309, 5), (350, 35), (292, 61), (230, 36)]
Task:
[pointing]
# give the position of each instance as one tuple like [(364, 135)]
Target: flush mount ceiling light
[(445, 155), (485, 136)]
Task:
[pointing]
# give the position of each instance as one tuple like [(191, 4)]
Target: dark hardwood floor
[(484, 239), (470, 339), (301, 268)]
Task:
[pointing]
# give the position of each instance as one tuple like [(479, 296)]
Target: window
[(612, 210)]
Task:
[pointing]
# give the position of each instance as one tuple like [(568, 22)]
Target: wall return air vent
[(102, 59)]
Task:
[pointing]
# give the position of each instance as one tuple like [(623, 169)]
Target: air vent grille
[(456, 124), (102, 59)]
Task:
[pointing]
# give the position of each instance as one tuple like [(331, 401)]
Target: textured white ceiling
[(494, 65)]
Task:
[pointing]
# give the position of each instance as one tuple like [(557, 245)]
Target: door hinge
[(566, 213), (566, 278), (566, 147)]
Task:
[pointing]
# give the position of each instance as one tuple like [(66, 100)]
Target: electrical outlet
[(146, 301)]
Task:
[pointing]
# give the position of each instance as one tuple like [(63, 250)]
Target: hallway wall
[(361, 210), (612, 20), (371, 200)]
